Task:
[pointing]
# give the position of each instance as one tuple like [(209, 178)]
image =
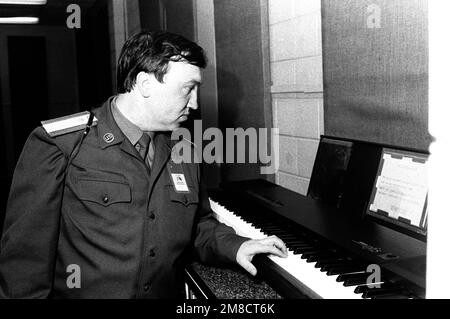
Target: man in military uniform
[(99, 195)]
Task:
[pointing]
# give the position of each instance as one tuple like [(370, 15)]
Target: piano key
[(294, 242), (275, 232), (343, 270), (319, 252), (357, 281), (353, 277), (377, 293), (337, 263), (272, 227), (289, 237), (338, 260), (331, 262), (261, 224), (383, 286), (325, 257), (404, 295), (301, 250), (303, 244)]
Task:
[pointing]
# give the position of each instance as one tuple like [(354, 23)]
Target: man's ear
[(144, 83)]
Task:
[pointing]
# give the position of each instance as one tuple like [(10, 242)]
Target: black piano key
[(286, 238), (326, 258), (353, 276), (365, 288), (374, 293), (324, 251), (301, 250), (356, 281), (270, 233), (405, 295), (296, 245), (301, 234), (261, 224), (318, 251), (272, 226), (303, 245), (314, 258), (274, 232), (294, 241), (300, 245), (293, 244), (334, 263), (338, 270)]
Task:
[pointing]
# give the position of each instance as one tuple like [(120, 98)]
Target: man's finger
[(274, 250), (269, 248), (277, 242), (248, 266)]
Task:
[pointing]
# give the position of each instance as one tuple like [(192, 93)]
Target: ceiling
[(52, 13)]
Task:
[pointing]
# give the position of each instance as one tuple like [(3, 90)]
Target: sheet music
[(401, 188)]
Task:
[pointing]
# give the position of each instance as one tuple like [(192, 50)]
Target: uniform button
[(152, 253), (152, 216), (105, 198), (146, 287)]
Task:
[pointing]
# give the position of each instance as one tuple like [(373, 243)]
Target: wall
[(241, 77), (206, 38), (150, 14), (297, 89), (180, 17), (124, 21), (177, 16), (376, 71)]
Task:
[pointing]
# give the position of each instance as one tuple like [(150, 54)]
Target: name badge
[(179, 181)]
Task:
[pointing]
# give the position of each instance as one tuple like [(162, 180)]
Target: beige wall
[(297, 88)]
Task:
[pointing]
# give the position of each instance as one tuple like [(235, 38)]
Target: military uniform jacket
[(126, 230)]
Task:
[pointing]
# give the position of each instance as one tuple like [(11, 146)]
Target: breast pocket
[(103, 188), (189, 199), (104, 192)]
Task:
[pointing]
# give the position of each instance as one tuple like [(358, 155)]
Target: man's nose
[(193, 100)]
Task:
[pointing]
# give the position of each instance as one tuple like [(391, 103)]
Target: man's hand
[(270, 245)]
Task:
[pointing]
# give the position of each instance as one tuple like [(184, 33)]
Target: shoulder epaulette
[(67, 124)]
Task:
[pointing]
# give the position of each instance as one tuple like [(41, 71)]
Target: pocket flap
[(104, 192), (184, 198)]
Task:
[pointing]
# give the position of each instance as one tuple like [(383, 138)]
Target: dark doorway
[(29, 99), (93, 57), (28, 86)]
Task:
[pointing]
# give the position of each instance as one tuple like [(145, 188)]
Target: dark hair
[(151, 51)]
